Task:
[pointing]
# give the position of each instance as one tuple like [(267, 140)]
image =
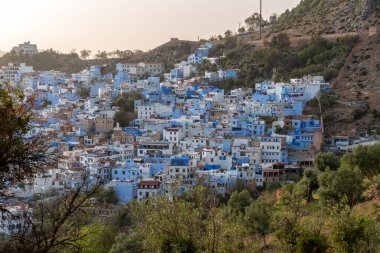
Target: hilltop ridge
[(329, 17)]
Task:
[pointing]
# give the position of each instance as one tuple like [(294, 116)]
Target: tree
[(342, 185), (280, 42), (258, 217), (326, 161), (228, 34), (170, 226), (273, 19), (97, 238), (287, 218), (310, 180), (354, 233), (56, 224), (253, 21), (21, 157), (206, 66), (310, 235), (102, 55), (128, 244), (241, 29), (364, 158), (239, 201), (85, 54)]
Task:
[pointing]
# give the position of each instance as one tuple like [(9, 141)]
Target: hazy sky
[(122, 24)]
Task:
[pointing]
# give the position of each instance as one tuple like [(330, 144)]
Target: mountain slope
[(359, 80), (329, 16)]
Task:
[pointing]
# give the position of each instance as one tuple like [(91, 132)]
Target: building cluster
[(187, 69), (185, 132)]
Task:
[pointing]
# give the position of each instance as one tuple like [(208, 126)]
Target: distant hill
[(169, 53), (329, 16)]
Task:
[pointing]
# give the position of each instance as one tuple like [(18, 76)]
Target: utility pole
[(260, 16)]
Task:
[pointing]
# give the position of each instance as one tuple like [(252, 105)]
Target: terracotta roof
[(149, 182)]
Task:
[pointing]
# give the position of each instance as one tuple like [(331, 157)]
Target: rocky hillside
[(358, 85), (329, 16)]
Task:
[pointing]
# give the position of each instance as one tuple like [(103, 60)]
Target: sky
[(122, 24)]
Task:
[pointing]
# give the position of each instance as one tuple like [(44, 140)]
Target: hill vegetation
[(280, 62), (329, 16), (73, 62)]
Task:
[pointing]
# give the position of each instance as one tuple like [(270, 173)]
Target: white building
[(174, 134), (13, 72), (26, 48), (147, 189), (273, 150)]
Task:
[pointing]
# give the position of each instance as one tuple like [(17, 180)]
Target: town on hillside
[(183, 129), (265, 139)]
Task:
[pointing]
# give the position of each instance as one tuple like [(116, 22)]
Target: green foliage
[(353, 233), (310, 236), (326, 161), (28, 156), (126, 104), (239, 201), (171, 226), (84, 93), (319, 57), (283, 130), (310, 182), (280, 42), (258, 217), (343, 185), (107, 196), (97, 238), (127, 244), (364, 158), (47, 60), (206, 66)]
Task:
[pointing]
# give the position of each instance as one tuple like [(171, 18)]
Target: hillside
[(359, 80), (329, 16), (171, 52), (2, 53)]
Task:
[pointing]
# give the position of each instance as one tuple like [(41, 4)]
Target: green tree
[(286, 218), (310, 180), (280, 42), (241, 30), (311, 237), (128, 244), (97, 238), (273, 19), (344, 184), (253, 21), (326, 161), (353, 233), (102, 55), (239, 201), (258, 217), (85, 54), (170, 226), (364, 158), (228, 34), (21, 158)]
